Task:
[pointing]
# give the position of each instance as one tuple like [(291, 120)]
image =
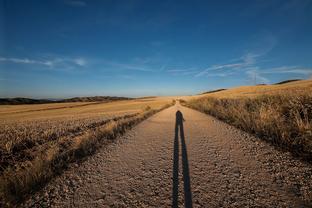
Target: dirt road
[(201, 162)]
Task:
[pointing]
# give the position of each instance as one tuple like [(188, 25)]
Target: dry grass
[(281, 114), (255, 91), (37, 144)]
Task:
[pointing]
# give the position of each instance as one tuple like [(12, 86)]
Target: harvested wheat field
[(38, 140)]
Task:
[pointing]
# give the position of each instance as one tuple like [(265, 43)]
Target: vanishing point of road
[(201, 162)]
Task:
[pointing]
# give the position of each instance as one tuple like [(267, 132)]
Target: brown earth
[(218, 166)]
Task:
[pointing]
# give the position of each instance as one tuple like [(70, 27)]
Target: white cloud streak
[(130, 66), (288, 69), (80, 61), (26, 61), (182, 72), (261, 44), (51, 63), (248, 64), (244, 63), (179, 70), (257, 77)]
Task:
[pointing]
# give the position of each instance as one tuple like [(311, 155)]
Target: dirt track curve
[(207, 163)]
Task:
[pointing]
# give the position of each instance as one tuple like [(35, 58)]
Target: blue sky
[(65, 48)]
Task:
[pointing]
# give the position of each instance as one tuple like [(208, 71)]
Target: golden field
[(281, 113), (30, 123), (39, 140)]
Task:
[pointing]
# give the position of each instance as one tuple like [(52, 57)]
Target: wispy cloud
[(260, 44), (288, 69), (130, 66), (177, 70), (249, 65), (163, 67), (182, 72), (221, 74), (72, 63), (26, 61), (76, 3), (144, 64), (256, 77), (244, 62), (80, 61), (55, 62)]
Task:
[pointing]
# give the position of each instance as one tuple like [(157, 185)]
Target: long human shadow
[(185, 167)]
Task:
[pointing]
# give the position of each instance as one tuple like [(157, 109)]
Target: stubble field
[(39, 140)]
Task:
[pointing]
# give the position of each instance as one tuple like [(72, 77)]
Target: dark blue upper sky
[(64, 48)]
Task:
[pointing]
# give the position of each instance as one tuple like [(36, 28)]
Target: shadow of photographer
[(185, 165)]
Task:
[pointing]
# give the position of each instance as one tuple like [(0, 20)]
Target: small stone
[(237, 173)]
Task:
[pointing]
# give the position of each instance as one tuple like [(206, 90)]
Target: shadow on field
[(185, 166)]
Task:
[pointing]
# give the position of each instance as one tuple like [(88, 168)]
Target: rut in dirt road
[(163, 162)]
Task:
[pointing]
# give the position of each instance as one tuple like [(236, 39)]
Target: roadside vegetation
[(281, 114), (38, 142)]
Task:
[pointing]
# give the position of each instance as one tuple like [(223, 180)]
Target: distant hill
[(19, 101), (287, 81), (94, 99), (212, 91)]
